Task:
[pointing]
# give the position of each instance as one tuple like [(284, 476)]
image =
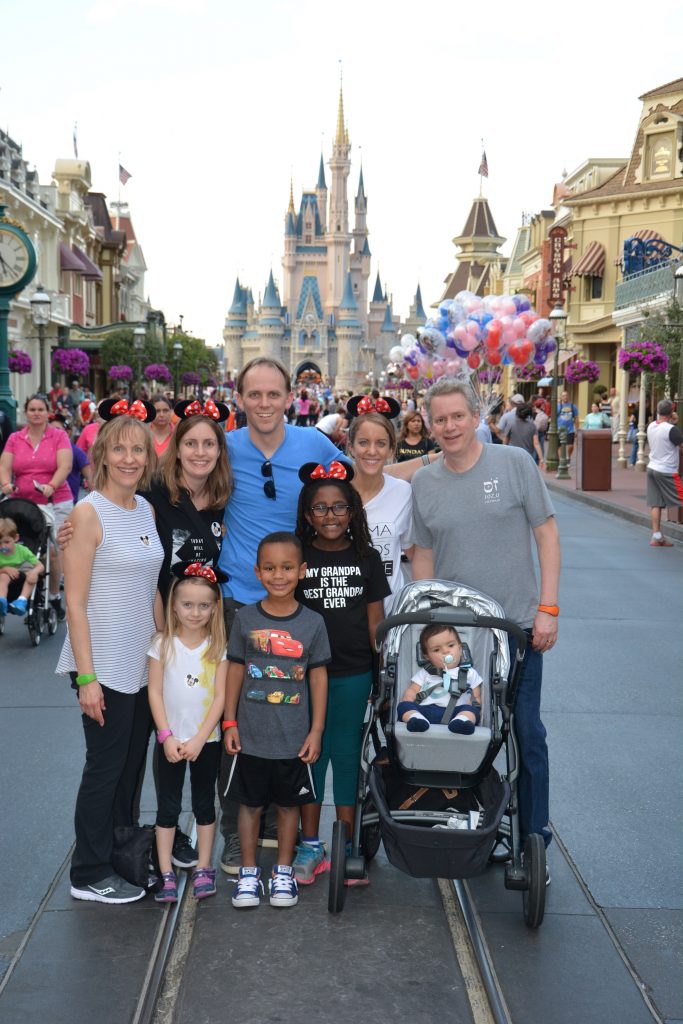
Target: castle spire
[(321, 174), (290, 208), (341, 135)]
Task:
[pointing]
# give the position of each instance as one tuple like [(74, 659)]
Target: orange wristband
[(550, 609), (228, 724)]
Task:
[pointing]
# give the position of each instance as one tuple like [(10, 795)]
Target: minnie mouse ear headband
[(217, 411), (139, 410), (361, 404), (310, 472), (188, 570)]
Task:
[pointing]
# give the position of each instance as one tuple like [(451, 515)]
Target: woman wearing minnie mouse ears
[(387, 500), (110, 572)]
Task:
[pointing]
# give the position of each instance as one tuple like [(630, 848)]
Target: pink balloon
[(508, 336), (470, 342), (508, 308), (519, 326), (473, 328), (452, 366), (460, 333)]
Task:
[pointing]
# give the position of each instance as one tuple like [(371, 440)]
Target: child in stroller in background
[(16, 560), (428, 699)]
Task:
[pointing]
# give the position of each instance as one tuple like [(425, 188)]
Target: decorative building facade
[(321, 320)]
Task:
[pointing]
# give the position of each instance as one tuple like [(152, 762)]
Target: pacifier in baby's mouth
[(448, 659)]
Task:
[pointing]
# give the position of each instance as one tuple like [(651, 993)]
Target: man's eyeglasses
[(269, 485), (338, 509)]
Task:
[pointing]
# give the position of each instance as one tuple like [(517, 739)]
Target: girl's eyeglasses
[(338, 509), (269, 485)]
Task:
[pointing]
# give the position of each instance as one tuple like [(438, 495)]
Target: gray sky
[(212, 105)]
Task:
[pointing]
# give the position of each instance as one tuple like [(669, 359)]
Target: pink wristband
[(163, 735)]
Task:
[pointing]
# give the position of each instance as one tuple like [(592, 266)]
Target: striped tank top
[(125, 573)]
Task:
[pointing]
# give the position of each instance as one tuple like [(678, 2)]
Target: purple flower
[(120, 373), (529, 372), (579, 370), (71, 360), (638, 357), (490, 376), (19, 361), (190, 378), (158, 372)]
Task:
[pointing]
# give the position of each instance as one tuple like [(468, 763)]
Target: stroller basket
[(423, 851)]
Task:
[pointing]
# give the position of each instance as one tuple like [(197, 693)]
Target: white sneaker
[(282, 886), (249, 888)]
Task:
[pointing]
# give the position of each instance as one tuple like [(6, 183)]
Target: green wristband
[(87, 677)]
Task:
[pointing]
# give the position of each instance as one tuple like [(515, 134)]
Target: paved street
[(612, 706)]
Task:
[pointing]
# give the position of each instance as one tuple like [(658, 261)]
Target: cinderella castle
[(322, 323)]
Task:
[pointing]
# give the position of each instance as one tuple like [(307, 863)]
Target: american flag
[(124, 175), (484, 165)]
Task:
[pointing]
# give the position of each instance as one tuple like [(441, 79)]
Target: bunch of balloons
[(470, 332)]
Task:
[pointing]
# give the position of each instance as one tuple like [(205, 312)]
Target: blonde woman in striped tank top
[(111, 569)]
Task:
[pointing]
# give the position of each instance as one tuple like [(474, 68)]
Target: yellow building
[(642, 197)]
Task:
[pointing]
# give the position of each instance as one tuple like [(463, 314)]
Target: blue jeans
[(534, 773)]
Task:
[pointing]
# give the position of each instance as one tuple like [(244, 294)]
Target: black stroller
[(433, 798), (34, 523)]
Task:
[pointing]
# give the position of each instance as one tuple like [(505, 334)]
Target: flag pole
[(481, 168)]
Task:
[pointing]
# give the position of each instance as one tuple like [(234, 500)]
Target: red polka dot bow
[(337, 471), (205, 571), (136, 409), (370, 404), (208, 409)]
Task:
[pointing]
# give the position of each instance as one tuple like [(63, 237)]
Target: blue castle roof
[(321, 174), (365, 251), (239, 300), (309, 286), (271, 300), (290, 224), (349, 306), (419, 308), (309, 199), (388, 324), (378, 294)]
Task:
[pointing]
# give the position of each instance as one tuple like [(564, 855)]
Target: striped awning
[(646, 235), (592, 263)]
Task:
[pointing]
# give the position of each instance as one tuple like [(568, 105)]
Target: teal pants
[(346, 704)]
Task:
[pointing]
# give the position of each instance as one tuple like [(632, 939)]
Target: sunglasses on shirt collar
[(269, 485)]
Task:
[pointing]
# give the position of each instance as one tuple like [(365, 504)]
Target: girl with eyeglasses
[(345, 582)]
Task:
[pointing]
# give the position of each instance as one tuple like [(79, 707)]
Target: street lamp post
[(138, 345), (177, 356), (41, 307), (558, 317), (678, 292)]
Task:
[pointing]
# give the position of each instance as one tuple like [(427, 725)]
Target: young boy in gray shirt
[(277, 692)]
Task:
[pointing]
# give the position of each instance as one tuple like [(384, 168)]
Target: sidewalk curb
[(674, 531)]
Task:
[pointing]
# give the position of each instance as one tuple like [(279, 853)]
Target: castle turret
[(321, 194), (338, 235), (416, 317), (271, 327), (349, 333), (376, 314), (289, 258), (388, 335), (235, 326)]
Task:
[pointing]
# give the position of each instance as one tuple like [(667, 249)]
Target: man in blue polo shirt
[(265, 457)]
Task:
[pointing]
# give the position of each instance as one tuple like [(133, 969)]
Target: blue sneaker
[(3, 606), (310, 861), (19, 606), (247, 892), (169, 891), (203, 882), (282, 887)]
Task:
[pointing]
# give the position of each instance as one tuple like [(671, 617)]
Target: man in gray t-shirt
[(476, 510)]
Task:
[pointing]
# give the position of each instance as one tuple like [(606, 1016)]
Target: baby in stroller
[(429, 698), (16, 560)]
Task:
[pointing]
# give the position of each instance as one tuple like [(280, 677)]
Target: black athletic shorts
[(260, 781)]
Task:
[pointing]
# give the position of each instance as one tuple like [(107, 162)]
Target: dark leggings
[(114, 754), (203, 775)]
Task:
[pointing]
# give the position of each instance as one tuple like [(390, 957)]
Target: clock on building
[(17, 257)]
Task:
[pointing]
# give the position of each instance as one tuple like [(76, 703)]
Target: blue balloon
[(462, 352), (507, 359)]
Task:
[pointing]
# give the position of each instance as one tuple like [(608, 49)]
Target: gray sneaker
[(113, 889), (231, 858)]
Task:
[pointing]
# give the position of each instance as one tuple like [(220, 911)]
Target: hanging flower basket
[(530, 372), (157, 372), (190, 378), (19, 361), (71, 360), (211, 382), (580, 370), (643, 357), (120, 373)]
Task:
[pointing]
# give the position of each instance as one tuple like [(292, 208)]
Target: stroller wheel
[(34, 628), (51, 621), (370, 835), (337, 892), (533, 897)]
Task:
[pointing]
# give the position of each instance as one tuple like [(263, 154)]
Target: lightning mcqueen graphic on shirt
[(276, 641)]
